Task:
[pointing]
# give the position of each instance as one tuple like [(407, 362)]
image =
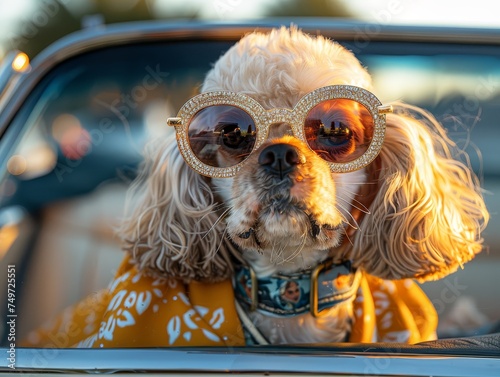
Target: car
[(73, 123)]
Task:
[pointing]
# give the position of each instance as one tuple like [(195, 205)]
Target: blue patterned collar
[(307, 291)]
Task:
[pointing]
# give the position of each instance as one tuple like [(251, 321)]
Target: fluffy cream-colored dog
[(269, 176)]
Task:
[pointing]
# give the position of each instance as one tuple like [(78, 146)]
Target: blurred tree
[(48, 22), (310, 8), (52, 19)]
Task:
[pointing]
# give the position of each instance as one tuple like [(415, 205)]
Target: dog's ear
[(427, 216), (171, 229)]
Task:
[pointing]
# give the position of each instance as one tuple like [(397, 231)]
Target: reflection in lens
[(222, 136), (339, 130)]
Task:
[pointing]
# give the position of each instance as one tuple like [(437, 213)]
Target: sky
[(478, 12)]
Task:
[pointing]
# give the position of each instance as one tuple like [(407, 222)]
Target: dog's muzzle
[(315, 230)]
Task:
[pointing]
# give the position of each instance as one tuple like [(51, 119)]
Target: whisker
[(348, 238), (216, 222), (219, 190), (275, 253), (272, 257), (360, 206), (219, 246), (347, 191), (216, 207), (219, 205), (298, 250), (345, 218)]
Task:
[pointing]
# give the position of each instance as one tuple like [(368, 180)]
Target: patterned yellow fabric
[(399, 311), (141, 311)]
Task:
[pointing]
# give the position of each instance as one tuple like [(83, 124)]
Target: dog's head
[(410, 211)]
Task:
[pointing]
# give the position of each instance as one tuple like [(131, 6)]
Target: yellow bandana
[(141, 311)]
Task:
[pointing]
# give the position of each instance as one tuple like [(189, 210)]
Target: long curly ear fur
[(172, 228), (428, 214)]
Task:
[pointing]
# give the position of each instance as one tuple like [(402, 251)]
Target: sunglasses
[(342, 124)]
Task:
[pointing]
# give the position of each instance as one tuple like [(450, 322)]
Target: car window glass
[(85, 124), (82, 132)]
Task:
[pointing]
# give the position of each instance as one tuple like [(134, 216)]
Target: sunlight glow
[(21, 62)]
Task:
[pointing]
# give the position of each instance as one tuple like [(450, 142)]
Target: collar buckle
[(344, 285), (254, 292), (314, 287)]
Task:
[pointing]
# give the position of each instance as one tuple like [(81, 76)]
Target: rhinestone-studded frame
[(265, 118)]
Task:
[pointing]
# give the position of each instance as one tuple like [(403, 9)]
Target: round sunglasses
[(218, 131)]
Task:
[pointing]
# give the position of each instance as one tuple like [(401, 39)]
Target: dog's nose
[(279, 159)]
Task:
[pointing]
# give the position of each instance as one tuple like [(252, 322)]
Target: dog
[(287, 177), (414, 211)]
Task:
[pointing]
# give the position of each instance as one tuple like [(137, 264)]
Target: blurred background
[(31, 25), (66, 229)]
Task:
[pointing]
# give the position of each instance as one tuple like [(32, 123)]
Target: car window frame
[(251, 360)]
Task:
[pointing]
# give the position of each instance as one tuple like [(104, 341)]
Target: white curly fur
[(415, 212)]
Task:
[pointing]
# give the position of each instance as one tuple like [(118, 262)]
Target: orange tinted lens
[(339, 130), (222, 136)]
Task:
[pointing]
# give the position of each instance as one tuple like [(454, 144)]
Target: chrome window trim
[(7, 72), (285, 360)]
